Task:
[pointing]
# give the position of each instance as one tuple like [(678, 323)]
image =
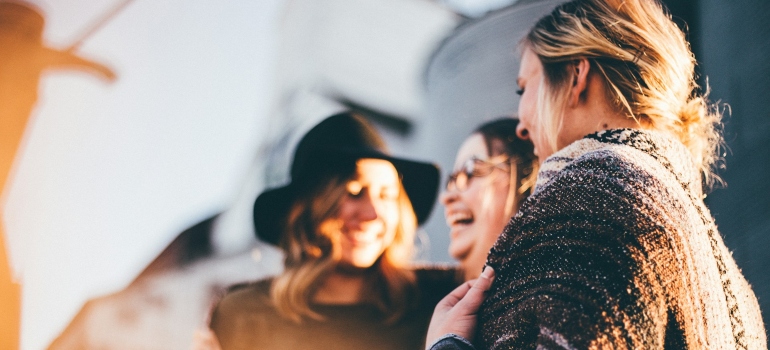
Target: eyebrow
[(518, 81)]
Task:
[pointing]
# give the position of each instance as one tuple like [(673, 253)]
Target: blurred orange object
[(23, 60), (10, 302)]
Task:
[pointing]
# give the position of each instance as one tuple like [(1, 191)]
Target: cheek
[(496, 218), (346, 210), (482, 201), (522, 111), (525, 107), (390, 212), (473, 197), (497, 197), (528, 104), (391, 219)]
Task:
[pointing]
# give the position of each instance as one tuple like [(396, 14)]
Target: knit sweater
[(616, 249)]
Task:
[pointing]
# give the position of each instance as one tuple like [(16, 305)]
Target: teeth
[(455, 218), (363, 237)]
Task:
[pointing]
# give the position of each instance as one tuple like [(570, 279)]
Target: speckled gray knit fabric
[(616, 249)]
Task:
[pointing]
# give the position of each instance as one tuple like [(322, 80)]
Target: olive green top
[(246, 319)]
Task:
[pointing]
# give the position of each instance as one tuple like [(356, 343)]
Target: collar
[(660, 147)]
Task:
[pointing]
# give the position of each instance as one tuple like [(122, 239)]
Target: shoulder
[(600, 178), (244, 315), (245, 298), (638, 159), (601, 163), (603, 200), (262, 285)]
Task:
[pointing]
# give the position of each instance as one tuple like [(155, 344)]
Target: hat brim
[(270, 210), (420, 181)]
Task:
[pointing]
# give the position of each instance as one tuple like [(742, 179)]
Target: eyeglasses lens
[(461, 178)]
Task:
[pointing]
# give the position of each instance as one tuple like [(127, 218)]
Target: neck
[(593, 112), (342, 287), (608, 121)]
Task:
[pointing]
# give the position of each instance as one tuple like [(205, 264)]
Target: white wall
[(111, 172)]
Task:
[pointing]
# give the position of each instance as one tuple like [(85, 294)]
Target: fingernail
[(488, 272)]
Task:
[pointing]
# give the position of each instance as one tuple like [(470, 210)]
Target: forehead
[(530, 64), (380, 171), (474, 146)]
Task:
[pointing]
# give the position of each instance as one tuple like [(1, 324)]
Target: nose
[(447, 197), (522, 132), (368, 209)]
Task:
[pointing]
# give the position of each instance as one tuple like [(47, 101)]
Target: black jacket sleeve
[(452, 342)]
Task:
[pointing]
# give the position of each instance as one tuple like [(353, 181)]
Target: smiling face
[(368, 214), (477, 215)]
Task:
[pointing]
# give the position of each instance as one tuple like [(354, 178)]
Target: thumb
[(472, 300)]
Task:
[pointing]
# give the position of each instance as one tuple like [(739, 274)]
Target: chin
[(359, 262), (459, 254), (353, 269), (362, 264), (461, 246)]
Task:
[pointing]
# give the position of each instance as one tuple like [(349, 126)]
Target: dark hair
[(500, 138), (504, 130)]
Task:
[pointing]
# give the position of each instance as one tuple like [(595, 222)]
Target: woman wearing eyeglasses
[(494, 172), (615, 249)]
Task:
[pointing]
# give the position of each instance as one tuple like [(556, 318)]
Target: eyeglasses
[(460, 179)]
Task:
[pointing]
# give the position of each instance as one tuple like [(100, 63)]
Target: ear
[(579, 81)]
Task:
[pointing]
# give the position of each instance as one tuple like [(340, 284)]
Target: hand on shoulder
[(456, 313)]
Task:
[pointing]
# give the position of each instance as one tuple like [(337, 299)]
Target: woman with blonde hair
[(615, 248), (346, 224)]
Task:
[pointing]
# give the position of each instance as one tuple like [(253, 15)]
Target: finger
[(484, 282), (473, 298)]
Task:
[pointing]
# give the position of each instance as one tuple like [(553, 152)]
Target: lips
[(461, 232), (362, 237), (459, 218)]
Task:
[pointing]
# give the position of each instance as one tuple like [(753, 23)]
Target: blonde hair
[(312, 251), (645, 62)]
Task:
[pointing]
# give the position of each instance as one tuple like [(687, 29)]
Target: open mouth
[(459, 218)]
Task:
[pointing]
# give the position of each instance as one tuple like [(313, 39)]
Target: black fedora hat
[(332, 146)]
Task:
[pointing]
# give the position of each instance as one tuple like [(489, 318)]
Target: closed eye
[(355, 189), (389, 193)]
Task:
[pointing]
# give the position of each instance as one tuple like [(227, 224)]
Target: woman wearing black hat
[(346, 224)]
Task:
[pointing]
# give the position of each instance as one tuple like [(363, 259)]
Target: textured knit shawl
[(616, 249)]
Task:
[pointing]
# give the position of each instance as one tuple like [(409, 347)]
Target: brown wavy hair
[(501, 139), (312, 252), (646, 65)]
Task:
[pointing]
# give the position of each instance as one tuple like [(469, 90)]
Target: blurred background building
[(130, 206), (732, 42)]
